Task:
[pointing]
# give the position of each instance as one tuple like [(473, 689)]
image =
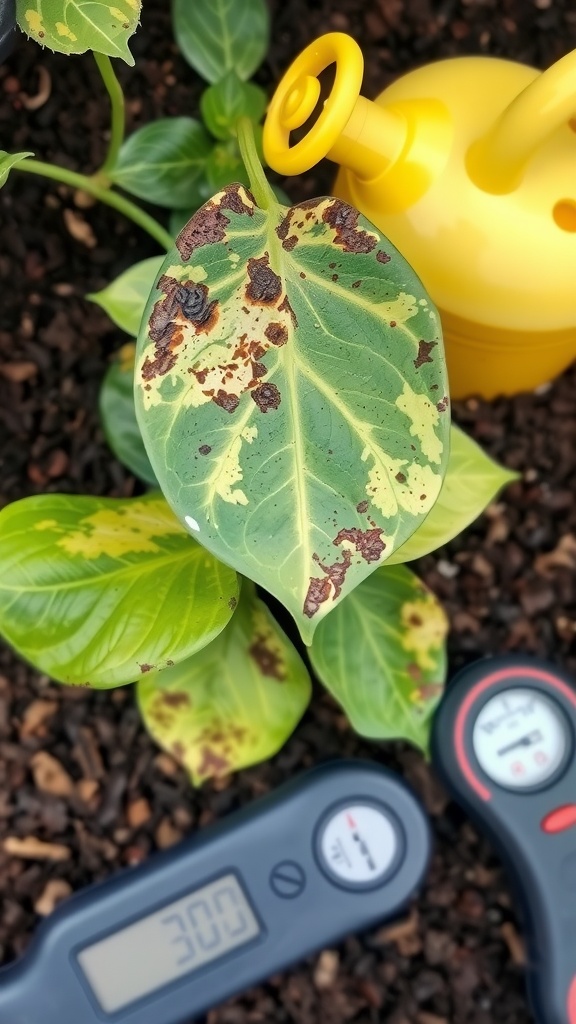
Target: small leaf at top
[(224, 166), (118, 416), (382, 655), (216, 36), (125, 298), (74, 26), (7, 162), (97, 591), (164, 162), (232, 704), (224, 102), (472, 481), (291, 392)]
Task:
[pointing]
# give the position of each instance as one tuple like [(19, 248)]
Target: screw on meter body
[(504, 743), (165, 941)]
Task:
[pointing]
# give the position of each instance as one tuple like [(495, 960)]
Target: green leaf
[(125, 298), (472, 481), (164, 162), (283, 377), (224, 102), (95, 591), (225, 166), (118, 416), (235, 702), (74, 26), (381, 654), (216, 36), (7, 162)]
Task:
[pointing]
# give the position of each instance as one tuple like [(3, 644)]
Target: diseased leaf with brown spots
[(290, 390), (233, 704), (382, 655)]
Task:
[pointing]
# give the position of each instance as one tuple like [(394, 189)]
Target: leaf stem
[(101, 192), (259, 184), (118, 121)]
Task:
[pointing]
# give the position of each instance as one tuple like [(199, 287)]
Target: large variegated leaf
[(291, 393), (382, 655), (96, 591), (472, 481), (74, 26), (235, 702)]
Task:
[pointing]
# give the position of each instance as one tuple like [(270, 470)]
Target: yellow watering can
[(468, 166)]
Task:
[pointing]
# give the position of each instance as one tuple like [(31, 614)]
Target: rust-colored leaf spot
[(356, 284), (175, 700), (368, 543), (382, 256), (424, 350), (232, 200), (227, 402), (392, 323), (288, 242), (144, 667), (205, 227), (334, 277), (232, 603), (277, 334), (319, 589), (362, 507), (188, 300), (179, 750), (400, 478), (212, 763), (415, 671), (344, 221), (415, 620), (266, 397), (443, 404), (268, 660), (318, 592), (285, 307), (193, 301), (205, 449), (265, 287), (429, 691)]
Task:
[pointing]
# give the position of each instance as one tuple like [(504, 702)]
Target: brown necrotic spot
[(320, 588), (189, 300), (285, 307), (400, 478), (175, 700), (344, 221), (362, 507), (288, 242), (212, 763), (193, 301), (266, 397), (207, 226), (414, 671), (424, 350), (232, 603), (443, 404), (226, 401), (368, 543), (318, 592), (356, 284), (383, 257), (232, 200), (277, 334), (265, 287), (334, 277), (268, 660), (205, 449), (144, 667)]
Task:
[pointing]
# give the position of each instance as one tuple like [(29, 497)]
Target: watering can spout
[(496, 162)]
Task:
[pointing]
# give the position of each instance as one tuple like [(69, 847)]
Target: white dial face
[(520, 738), (358, 844)]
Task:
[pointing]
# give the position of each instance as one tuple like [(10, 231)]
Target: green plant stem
[(261, 190), (99, 191), (118, 120)]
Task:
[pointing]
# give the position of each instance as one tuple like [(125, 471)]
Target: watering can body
[(468, 166)]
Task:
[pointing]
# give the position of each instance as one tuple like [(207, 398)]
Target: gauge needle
[(525, 741)]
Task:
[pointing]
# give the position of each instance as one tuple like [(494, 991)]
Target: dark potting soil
[(83, 791)]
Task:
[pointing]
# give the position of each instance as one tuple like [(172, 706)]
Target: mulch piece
[(83, 791)]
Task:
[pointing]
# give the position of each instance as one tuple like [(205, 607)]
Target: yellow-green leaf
[(472, 481), (97, 591), (74, 26), (291, 392), (7, 162), (235, 702), (381, 653), (125, 298)]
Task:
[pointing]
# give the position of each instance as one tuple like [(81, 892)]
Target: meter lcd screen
[(168, 944)]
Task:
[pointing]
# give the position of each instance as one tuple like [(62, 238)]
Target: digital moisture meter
[(504, 745), (343, 847)]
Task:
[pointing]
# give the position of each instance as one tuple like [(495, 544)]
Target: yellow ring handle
[(297, 96)]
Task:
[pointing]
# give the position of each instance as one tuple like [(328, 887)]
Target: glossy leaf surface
[(472, 481), (164, 162), (96, 591), (216, 36), (224, 102), (381, 654), (74, 26), (283, 382), (7, 162), (235, 702), (124, 300), (118, 416)]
